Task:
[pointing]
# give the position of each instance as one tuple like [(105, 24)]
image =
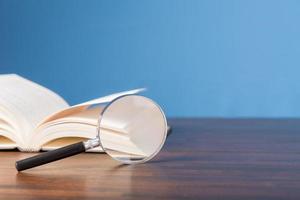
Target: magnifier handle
[(50, 156)]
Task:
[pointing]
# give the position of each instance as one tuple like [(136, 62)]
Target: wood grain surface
[(228, 159)]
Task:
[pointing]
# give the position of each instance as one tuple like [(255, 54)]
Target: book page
[(111, 97), (77, 109), (6, 143), (28, 102), (77, 121)]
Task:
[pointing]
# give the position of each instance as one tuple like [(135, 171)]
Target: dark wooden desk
[(203, 159)]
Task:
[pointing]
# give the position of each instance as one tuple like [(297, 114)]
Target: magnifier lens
[(132, 129)]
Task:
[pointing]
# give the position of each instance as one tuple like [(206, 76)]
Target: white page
[(28, 101), (74, 110), (111, 97), (76, 115)]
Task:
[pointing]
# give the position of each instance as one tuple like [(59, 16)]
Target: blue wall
[(198, 58)]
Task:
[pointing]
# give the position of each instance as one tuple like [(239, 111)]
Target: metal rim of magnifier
[(162, 142)]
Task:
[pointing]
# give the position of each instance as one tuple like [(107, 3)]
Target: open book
[(34, 118)]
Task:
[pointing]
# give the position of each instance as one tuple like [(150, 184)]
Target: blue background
[(197, 58)]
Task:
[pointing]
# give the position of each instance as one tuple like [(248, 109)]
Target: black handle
[(50, 156)]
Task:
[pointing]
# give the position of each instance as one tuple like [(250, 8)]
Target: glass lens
[(133, 129)]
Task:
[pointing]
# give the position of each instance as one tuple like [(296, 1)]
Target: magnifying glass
[(131, 129)]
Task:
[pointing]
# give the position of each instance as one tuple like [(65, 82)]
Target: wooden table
[(203, 159)]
